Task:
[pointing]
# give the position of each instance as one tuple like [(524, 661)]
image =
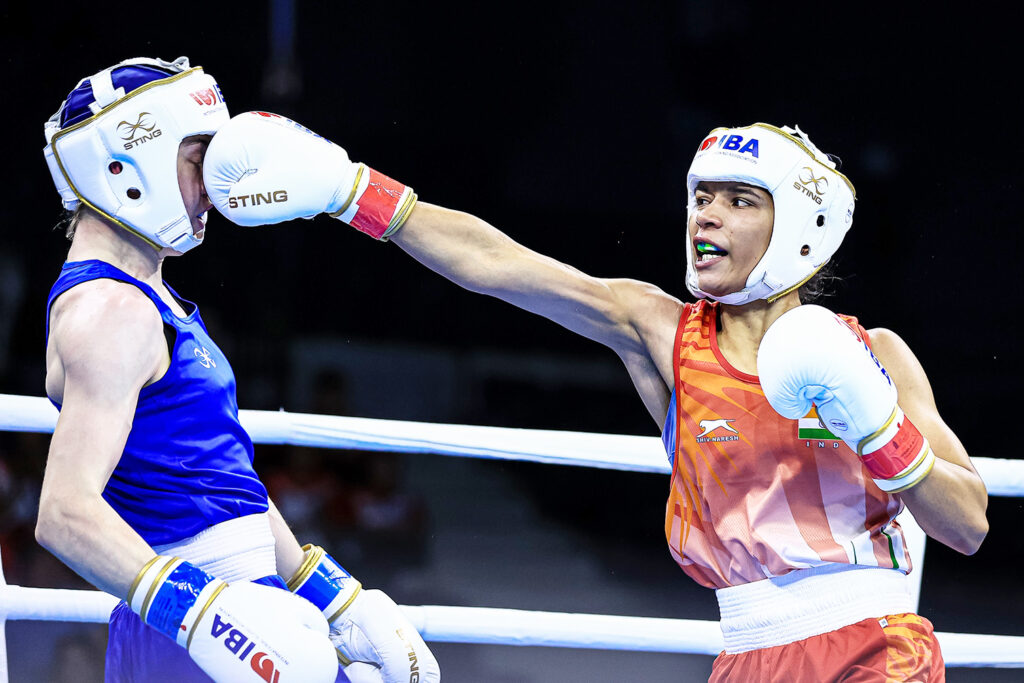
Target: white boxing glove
[(376, 642), (238, 632), (261, 168), (812, 356)]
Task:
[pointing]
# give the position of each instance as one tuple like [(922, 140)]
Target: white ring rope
[(477, 624), (491, 626), (584, 449)]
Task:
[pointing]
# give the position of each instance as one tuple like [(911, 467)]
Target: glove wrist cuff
[(897, 456), (376, 204), (172, 595), (325, 583)]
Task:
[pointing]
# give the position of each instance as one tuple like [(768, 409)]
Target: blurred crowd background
[(570, 126)]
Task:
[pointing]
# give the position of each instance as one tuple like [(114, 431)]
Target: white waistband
[(808, 602), (240, 549)]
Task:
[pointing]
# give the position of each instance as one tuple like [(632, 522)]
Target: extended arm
[(257, 152), (635, 319), (475, 255), (950, 502)]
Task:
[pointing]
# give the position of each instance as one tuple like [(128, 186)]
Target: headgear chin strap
[(113, 144), (813, 203)]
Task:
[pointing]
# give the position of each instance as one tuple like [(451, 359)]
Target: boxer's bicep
[(109, 342)]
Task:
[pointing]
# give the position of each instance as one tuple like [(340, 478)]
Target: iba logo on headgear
[(734, 143), (131, 131)]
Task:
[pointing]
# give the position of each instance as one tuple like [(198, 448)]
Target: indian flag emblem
[(809, 428)]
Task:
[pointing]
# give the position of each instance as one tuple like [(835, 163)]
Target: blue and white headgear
[(813, 203), (113, 144)]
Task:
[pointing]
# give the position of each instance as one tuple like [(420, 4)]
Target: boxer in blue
[(150, 492)]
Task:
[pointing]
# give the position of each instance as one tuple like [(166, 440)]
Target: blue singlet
[(187, 464)]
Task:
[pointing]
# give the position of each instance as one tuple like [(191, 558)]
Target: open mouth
[(707, 252)]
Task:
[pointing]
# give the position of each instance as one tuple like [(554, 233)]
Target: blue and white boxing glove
[(375, 641), (812, 356), (238, 632), (261, 168)]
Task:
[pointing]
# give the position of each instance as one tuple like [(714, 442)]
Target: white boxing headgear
[(113, 144), (813, 203)]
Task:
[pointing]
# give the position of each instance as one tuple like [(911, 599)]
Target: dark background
[(570, 126)]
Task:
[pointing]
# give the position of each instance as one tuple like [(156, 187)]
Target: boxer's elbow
[(966, 535), (59, 522), (47, 534), (975, 526), (973, 535), (49, 525)]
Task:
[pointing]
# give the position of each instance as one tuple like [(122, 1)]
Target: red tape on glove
[(897, 455), (377, 205)]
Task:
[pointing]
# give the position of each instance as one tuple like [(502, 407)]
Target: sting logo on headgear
[(130, 131), (807, 178)]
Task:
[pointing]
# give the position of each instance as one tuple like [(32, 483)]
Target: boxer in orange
[(796, 435)]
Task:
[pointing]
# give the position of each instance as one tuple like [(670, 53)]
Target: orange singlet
[(755, 496)]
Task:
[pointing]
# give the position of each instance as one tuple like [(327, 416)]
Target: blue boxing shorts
[(137, 653)]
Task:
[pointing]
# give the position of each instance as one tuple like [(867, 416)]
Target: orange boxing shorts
[(900, 647)]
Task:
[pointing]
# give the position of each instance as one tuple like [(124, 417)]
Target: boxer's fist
[(375, 641), (373, 630), (235, 633), (811, 356), (262, 168)]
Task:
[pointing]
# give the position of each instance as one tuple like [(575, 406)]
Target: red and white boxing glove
[(811, 355), (376, 642), (238, 632), (261, 168)]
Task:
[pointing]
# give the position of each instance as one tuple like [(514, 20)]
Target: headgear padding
[(113, 144), (813, 203)]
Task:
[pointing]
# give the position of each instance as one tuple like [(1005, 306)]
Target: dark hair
[(821, 285), (69, 221)]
